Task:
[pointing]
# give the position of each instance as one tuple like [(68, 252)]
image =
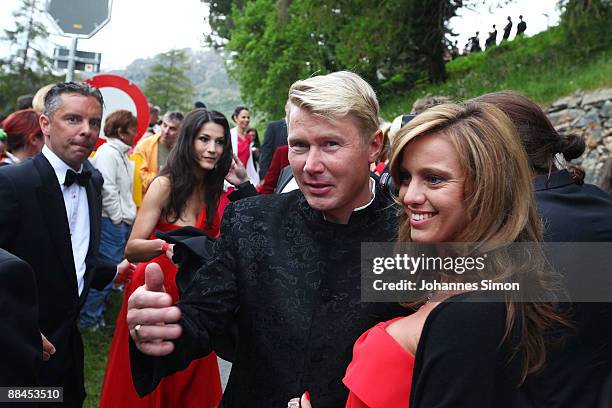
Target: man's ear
[(44, 123), (375, 145)]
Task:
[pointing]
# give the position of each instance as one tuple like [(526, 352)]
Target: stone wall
[(588, 114)]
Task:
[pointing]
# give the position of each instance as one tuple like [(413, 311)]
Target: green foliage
[(14, 84), (586, 23), (27, 68), (388, 43), (25, 38), (96, 345), (168, 85), (543, 67)]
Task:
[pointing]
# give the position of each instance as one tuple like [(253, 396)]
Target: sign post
[(78, 19)]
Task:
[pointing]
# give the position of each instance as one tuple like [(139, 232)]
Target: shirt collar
[(58, 164), (373, 189), (366, 205)]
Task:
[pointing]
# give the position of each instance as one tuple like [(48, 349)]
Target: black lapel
[(51, 203), (94, 200)]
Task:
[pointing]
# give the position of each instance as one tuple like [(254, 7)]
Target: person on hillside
[(475, 43), (492, 38), (186, 193), (507, 29), (155, 150), (521, 26), (454, 51)]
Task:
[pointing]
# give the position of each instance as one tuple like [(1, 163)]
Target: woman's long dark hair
[(182, 164)]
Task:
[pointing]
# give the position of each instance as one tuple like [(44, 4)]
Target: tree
[(26, 37), (168, 84), (389, 43), (27, 68)]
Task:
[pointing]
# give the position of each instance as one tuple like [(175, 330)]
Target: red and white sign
[(120, 93)]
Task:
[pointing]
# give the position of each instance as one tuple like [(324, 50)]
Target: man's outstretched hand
[(151, 318)]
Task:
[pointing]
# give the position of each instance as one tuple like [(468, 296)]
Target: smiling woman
[(446, 162)]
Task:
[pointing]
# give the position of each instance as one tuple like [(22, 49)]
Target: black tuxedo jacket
[(20, 340), (275, 136), (34, 227)]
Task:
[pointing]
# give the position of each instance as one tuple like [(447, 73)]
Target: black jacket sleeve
[(207, 308), (20, 341), (461, 360)]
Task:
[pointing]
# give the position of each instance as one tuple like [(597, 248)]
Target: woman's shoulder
[(467, 319)]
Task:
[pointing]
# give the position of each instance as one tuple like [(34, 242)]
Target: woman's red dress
[(199, 385), (244, 148), (380, 374)]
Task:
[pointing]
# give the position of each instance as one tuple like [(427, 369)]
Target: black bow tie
[(82, 178)]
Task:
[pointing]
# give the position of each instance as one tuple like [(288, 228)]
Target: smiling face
[(432, 189), (208, 145), (242, 119), (72, 131), (330, 162)]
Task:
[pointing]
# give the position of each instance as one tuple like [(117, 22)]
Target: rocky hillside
[(590, 115), (211, 81)]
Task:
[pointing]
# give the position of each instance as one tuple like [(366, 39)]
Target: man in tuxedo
[(50, 208), (20, 340), (275, 136)]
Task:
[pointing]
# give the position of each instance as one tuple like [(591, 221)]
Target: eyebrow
[(428, 169)]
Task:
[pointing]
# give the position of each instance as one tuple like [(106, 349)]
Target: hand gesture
[(151, 318), (237, 173), (125, 270), (48, 348)]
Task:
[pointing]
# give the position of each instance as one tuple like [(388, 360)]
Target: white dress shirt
[(77, 211)]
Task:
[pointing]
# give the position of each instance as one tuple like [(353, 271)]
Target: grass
[(96, 345), (544, 67)]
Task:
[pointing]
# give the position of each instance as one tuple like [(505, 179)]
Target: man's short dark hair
[(24, 102), (52, 99), (174, 116)]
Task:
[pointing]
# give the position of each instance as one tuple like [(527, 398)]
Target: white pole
[(71, 57)]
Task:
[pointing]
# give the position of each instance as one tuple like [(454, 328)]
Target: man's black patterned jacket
[(296, 280)]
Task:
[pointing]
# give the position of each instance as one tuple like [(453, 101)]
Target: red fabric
[(99, 143), (280, 160), (380, 167), (380, 374), (199, 385), (244, 149)]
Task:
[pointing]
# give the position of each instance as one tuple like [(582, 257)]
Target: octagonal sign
[(80, 18)]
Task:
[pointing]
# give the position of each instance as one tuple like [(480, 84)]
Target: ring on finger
[(136, 329)]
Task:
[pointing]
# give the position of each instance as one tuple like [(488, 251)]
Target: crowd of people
[(253, 252), (473, 43)]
